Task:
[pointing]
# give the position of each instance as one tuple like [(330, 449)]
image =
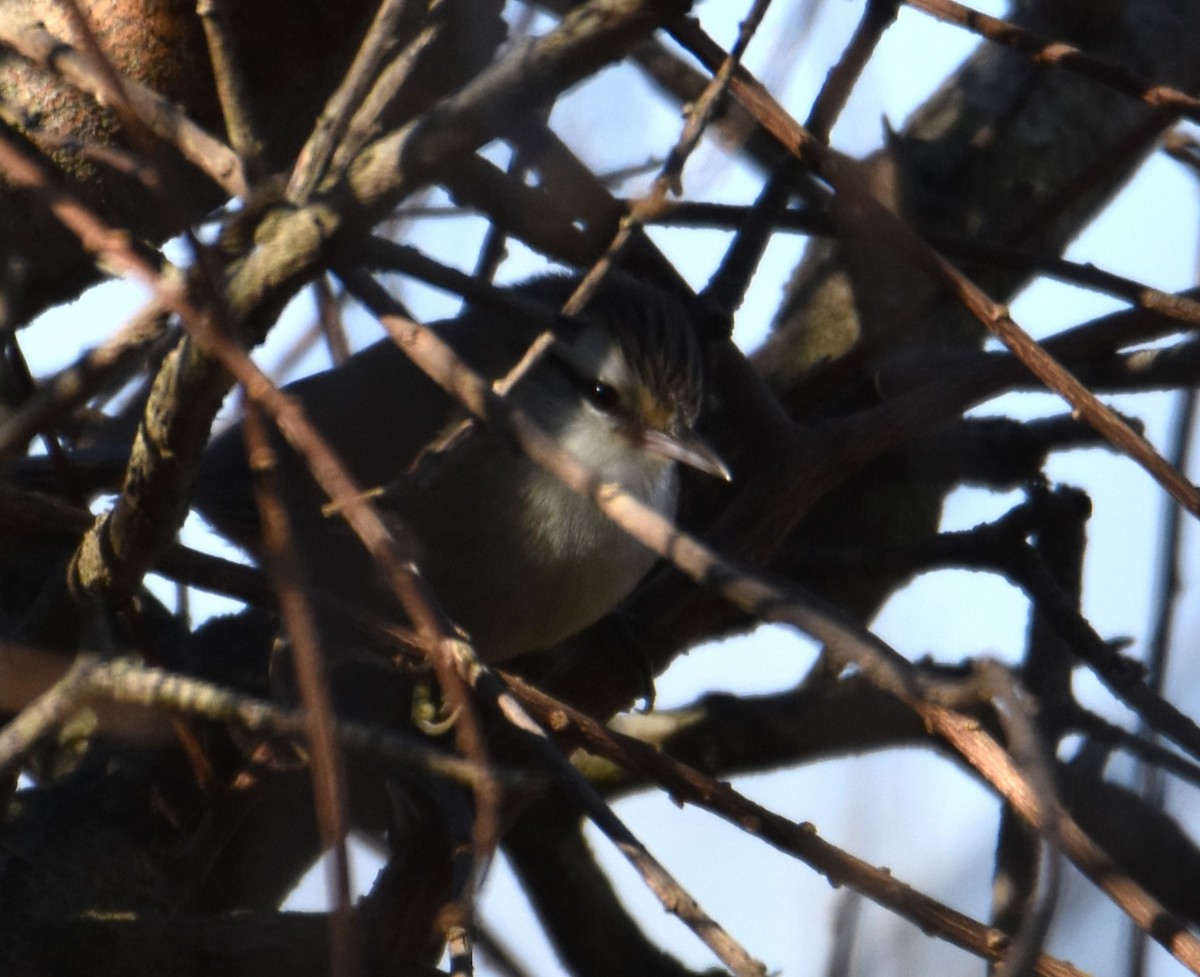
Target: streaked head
[(633, 366)]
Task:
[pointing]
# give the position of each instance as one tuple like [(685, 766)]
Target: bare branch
[(1061, 55), (165, 119)]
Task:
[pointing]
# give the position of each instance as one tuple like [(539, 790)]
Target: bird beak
[(688, 448)]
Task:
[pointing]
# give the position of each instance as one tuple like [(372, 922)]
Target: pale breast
[(521, 574)]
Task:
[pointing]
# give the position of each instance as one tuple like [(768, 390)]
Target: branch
[(588, 38), (843, 175), (800, 840), (845, 641), (131, 699), (1058, 54), (162, 116)]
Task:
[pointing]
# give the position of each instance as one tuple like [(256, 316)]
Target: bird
[(519, 561)]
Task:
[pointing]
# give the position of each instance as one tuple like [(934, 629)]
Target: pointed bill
[(688, 448)]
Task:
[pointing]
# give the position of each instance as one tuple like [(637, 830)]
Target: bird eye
[(603, 396)]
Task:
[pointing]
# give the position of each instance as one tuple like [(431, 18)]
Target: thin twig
[(1034, 757), (435, 634), (328, 769), (1151, 783), (495, 242), (232, 89), (878, 16), (112, 559), (1170, 570), (366, 122), (1003, 547), (532, 214), (726, 289), (1061, 55), (669, 179), (313, 160), (1145, 750), (1183, 148), (433, 356), (802, 841), (330, 322), (124, 682), (846, 641), (47, 713), (1058, 542), (99, 369), (1100, 416), (842, 175), (728, 285), (690, 213), (166, 120), (670, 893)]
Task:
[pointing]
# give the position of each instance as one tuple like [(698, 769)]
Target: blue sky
[(911, 812)]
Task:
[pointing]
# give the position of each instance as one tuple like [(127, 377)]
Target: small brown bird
[(519, 560)]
